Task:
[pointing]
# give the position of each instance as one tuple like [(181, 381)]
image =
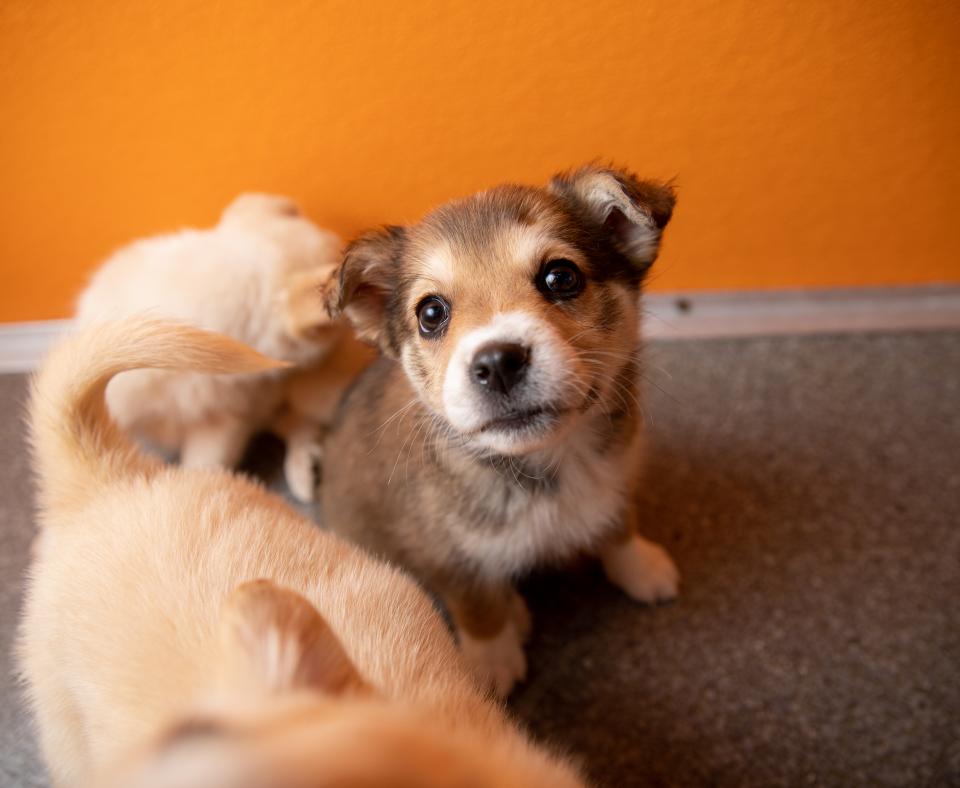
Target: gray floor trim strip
[(682, 315)]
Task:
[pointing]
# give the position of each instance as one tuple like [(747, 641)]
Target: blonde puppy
[(184, 628), (254, 277)]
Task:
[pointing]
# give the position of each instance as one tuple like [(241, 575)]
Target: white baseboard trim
[(709, 314), (23, 345), (682, 315)]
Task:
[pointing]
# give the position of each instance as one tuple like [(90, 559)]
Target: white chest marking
[(553, 526)]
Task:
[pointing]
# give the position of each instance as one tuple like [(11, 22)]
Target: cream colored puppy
[(254, 277), (184, 628)]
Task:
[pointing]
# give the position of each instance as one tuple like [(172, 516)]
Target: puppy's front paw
[(302, 469), (643, 569), (499, 662)]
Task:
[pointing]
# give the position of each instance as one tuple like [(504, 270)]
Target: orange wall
[(815, 142)]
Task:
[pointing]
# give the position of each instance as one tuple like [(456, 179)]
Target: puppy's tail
[(76, 447)]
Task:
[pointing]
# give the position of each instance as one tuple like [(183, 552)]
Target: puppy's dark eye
[(560, 279), (432, 315)]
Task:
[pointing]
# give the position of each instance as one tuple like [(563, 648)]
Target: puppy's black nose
[(499, 366)]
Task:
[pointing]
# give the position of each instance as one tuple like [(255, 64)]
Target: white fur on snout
[(547, 380)]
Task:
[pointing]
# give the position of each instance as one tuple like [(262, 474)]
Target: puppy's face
[(294, 713), (514, 312), (296, 327)]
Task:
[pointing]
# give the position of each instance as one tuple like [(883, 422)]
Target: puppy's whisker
[(396, 462), (394, 415), (419, 428), (660, 388), (579, 334), (516, 479), (380, 431), (658, 368), (616, 355)]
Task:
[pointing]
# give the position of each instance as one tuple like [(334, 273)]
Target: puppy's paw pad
[(302, 469), (498, 662), (644, 570)]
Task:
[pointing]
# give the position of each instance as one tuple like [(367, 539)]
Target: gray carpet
[(810, 491)]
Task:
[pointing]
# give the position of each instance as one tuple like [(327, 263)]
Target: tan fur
[(255, 276), (184, 628), (427, 474)]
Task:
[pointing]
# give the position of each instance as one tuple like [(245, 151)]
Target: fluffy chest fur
[(407, 489), (508, 516)]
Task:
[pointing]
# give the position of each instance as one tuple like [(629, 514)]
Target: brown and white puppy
[(254, 277), (186, 629), (502, 429)]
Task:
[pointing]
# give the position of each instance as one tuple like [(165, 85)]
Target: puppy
[(254, 277), (186, 629), (502, 429)]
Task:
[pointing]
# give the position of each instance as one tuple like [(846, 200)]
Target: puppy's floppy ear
[(365, 280), (253, 206), (305, 314), (631, 211), (274, 640)]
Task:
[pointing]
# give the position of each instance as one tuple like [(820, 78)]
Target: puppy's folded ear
[(253, 206), (365, 281), (632, 212), (305, 313), (273, 640)]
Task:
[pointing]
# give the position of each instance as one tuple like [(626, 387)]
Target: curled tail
[(76, 447)]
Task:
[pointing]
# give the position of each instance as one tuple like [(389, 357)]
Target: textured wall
[(814, 142)]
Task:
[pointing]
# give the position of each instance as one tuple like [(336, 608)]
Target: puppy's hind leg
[(492, 623), (215, 444), (641, 568)]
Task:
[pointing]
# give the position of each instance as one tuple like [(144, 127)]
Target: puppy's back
[(134, 560), (121, 618)]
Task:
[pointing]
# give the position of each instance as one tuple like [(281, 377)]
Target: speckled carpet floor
[(809, 489)]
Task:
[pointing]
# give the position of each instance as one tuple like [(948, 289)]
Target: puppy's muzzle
[(499, 366)]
